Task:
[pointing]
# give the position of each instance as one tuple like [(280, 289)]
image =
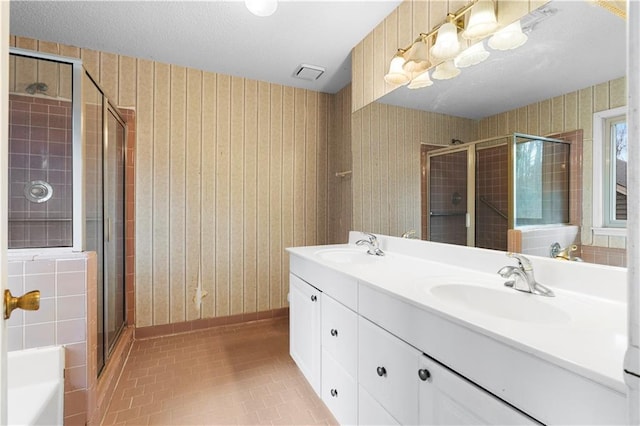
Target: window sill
[(611, 232)]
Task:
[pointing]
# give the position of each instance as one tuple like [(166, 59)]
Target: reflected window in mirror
[(610, 171)]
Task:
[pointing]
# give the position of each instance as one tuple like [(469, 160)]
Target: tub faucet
[(557, 252), (372, 244), (410, 234), (523, 279)]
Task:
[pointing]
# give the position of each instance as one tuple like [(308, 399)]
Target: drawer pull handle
[(424, 374), (334, 332), (314, 298), (381, 371), (334, 393)]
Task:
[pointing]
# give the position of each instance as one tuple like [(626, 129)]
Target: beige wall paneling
[(420, 19), (390, 46), (393, 188), (366, 167), (177, 199), (322, 168), (275, 198), (161, 200), (65, 72), (109, 75), (236, 240), (145, 191), (208, 213), (91, 62), (357, 77), (383, 167), (26, 71), (299, 177), (357, 175), (223, 196), (193, 190), (368, 71), (534, 119), (264, 122), (377, 173), (405, 29), (126, 82), (401, 130), (288, 155), (49, 72), (12, 68), (250, 204), (380, 61), (571, 111), (545, 117), (557, 114), (618, 94), (522, 124), (311, 173), (601, 97), (511, 10)]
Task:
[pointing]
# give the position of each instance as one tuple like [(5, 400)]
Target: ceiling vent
[(308, 72)]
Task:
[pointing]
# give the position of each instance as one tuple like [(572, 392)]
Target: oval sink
[(346, 256), (516, 306)]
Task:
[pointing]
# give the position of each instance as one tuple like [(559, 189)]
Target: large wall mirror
[(572, 66)]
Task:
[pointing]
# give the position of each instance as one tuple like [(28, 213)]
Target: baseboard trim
[(201, 324)]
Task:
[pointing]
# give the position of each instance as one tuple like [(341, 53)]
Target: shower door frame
[(471, 148)]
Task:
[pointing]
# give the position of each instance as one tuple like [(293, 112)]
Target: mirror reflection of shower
[(37, 87)]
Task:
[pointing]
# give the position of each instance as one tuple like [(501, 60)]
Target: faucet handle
[(371, 237), (523, 262)]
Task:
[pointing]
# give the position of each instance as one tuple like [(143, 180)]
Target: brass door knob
[(29, 302)]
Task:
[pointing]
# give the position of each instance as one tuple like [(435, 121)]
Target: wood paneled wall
[(230, 172), (386, 163), (371, 57), (340, 168), (571, 111)]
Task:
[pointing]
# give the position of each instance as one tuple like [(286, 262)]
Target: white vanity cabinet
[(304, 329), (339, 360), (445, 398)]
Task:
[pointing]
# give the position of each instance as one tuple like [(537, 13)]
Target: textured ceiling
[(218, 36)]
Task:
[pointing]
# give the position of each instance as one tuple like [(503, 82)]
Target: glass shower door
[(448, 189), (114, 211)]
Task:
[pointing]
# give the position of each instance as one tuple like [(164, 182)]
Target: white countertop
[(588, 336)]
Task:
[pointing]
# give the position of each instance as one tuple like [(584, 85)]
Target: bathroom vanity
[(429, 334)]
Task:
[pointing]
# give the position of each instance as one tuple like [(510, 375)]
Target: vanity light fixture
[(471, 55), (396, 74), (420, 80), (261, 7), (510, 37), (450, 49), (482, 21)]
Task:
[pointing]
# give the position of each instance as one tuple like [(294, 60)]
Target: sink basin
[(346, 256), (515, 306)]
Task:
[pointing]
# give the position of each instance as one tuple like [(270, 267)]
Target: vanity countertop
[(581, 331)]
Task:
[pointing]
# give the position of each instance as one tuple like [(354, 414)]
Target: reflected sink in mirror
[(345, 256), (515, 306)]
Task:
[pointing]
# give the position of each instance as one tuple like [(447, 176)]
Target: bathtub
[(36, 386)]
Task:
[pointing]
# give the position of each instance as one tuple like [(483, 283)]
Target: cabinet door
[(339, 391), (449, 399), (304, 329), (387, 369), (370, 412), (340, 333)]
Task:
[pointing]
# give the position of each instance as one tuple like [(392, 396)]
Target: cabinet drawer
[(370, 412), (387, 369), (447, 399), (340, 334), (339, 391)]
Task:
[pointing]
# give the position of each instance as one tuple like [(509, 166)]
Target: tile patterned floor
[(238, 374)]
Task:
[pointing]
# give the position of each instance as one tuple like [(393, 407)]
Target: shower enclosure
[(477, 191), (66, 174)]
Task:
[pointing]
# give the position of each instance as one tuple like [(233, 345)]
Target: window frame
[(603, 224)]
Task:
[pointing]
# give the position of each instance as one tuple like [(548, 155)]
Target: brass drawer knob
[(29, 302)]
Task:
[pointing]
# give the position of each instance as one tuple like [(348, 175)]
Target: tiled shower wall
[(492, 190), (39, 149), (62, 317)]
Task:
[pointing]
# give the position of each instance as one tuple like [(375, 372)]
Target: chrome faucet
[(372, 243), (410, 234), (523, 279)]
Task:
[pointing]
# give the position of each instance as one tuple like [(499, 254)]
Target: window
[(610, 171)]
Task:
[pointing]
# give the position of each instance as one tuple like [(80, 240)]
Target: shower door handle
[(467, 220), (108, 229)]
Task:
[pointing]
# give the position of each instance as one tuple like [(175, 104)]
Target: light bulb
[(508, 38), (445, 71), (261, 7), (396, 74), (421, 80), (447, 45), (471, 56), (417, 57), (482, 20)]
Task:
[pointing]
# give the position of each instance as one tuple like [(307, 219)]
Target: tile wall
[(39, 149), (61, 320), (492, 193)]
